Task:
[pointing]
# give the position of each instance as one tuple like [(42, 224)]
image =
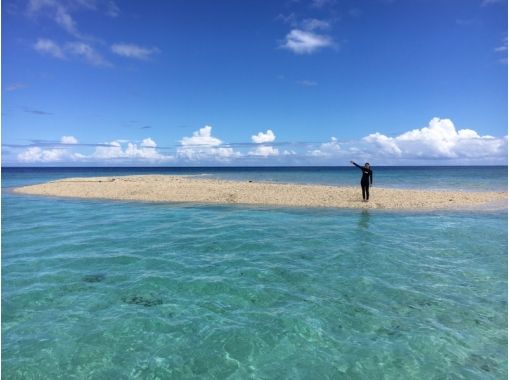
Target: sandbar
[(190, 189)]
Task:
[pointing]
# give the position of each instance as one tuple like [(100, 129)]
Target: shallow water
[(94, 289)]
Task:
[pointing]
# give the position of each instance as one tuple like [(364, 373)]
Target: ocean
[(108, 290)]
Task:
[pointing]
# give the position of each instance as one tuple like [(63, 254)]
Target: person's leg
[(363, 191), (367, 190)]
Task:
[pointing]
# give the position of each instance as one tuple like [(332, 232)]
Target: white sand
[(166, 188)]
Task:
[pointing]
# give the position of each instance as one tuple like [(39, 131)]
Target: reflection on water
[(364, 219)]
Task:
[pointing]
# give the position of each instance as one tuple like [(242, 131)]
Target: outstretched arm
[(355, 164)]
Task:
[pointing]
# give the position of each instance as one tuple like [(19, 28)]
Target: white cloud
[(58, 11), (262, 137), (112, 150), (148, 143), (134, 51), (305, 42), (123, 150), (47, 46), (504, 45), (87, 52), (203, 146), (78, 49), (36, 154), (64, 19), (385, 143), (201, 137), (314, 23), (503, 48), (68, 140), (327, 149), (145, 151), (439, 139), (264, 151)]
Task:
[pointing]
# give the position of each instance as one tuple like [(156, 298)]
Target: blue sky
[(303, 82)]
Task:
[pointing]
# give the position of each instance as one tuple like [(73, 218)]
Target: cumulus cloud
[(68, 140), (305, 41), (262, 137), (123, 150), (387, 145), (327, 149), (440, 139), (134, 51), (39, 155), (120, 149), (201, 137), (264, 151), (203, 146)]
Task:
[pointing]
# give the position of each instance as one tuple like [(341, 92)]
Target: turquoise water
[(109, 290)]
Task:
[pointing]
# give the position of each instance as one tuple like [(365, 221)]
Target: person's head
[(367, 165)]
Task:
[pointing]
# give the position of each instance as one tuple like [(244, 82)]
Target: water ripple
[(118, 290)]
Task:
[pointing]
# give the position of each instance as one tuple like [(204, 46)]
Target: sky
[(292, 82)]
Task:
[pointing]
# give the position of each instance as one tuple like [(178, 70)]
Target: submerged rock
[(147, 301), (96, 277)]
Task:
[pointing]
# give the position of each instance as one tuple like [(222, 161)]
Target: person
[(366, 176)]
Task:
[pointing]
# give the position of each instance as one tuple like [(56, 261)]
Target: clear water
[(110, 290)]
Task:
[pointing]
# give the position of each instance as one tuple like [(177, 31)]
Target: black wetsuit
[(365, 185)]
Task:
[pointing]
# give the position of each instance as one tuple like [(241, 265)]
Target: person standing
[(366, 179)]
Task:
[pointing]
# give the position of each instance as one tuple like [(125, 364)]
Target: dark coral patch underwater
[(95, 277), (147, 301)]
